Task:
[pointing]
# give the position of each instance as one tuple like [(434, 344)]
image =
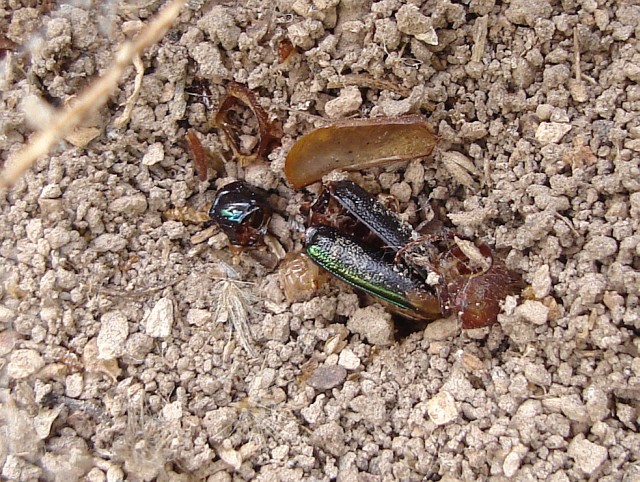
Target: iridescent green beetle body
[(425, 277), (361, 266), (367, 268)]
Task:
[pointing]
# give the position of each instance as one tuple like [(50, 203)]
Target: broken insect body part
[(300, 277), (426, 278), (477, 291), (384, 223), (203, 159), (357, 144), (269, 132), (242, 212), (366, 268)]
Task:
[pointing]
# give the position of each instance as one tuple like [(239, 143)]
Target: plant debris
[(234, 125)]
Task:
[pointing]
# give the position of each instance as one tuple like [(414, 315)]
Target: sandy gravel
[(120, 350)]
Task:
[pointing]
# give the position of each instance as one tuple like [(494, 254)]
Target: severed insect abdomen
[(368, 269)]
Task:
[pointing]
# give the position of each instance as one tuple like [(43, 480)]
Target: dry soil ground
[(119, 354)]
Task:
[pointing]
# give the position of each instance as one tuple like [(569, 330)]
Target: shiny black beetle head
[(242, 211)]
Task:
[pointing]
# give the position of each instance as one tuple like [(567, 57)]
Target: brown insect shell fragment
[(285, 49), (300, 277), (269, 132), (476, 284), (195, 211), (204, 160), (357, 144)]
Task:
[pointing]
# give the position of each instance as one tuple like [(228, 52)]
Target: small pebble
[(6, 315), (511, 464), (172, 411), (401, 191), (74, 384), (109, 242), (51, 191), (601, 17), (154, 154), (597, 403), (229, 455), (472, 363), (374, 323), (133, 205), (473, 131), (198, 317), (537, 374), (263, 380), (174, 229), (527, 411), (570, 405), (315, 412), (160, 320), (541, 282), (8, 341), (348, 359), (57, 237), (330, 437), (526, 12), (95, 475), (347, 103), (131, 27), (280, 452), (114, 330), (633, 144), (412, 22), (217, 422), (115, 474), (440, 330), (588, 456), (533, 311), (601, 247), (44, 419), (138, 345), (441, 408), (551, 132), (632, 71), (24, 363), (276, 327), (327, 377)]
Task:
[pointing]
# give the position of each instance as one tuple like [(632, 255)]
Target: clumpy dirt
[(135, 347)]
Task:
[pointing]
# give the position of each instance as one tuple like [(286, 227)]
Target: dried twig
[(362, 80), (92, 99), (122, 121), (576, 86)]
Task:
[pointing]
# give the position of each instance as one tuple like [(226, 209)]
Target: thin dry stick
[(122, 121), (92, 99)]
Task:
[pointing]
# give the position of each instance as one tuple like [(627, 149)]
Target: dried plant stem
[(122, 121), (92, 99), (233, 306)]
